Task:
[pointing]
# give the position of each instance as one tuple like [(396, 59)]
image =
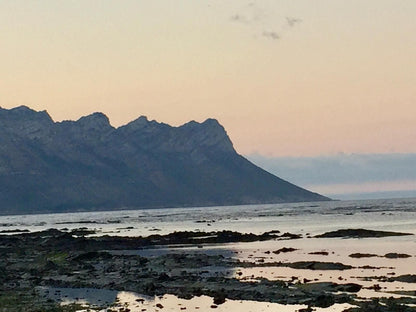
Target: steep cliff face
[(88, 164)]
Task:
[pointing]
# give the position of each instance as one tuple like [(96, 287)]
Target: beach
[(285, 257)]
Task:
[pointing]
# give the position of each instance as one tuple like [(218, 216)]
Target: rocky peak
[(95, 122), (211, 122), (25, 122), (195, 138), (137, 124), (25, 113), (141, 121), (20, 110), (210, 133), (143, 126)]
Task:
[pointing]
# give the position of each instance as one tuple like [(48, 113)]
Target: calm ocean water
[(313, 218)]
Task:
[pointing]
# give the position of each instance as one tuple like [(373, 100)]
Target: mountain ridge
[(88, 164)]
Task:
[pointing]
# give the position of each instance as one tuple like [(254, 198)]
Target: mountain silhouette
[(48, 166)]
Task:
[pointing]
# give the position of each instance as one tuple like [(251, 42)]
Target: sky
[(292, 82), (285, 78), (348, 176)]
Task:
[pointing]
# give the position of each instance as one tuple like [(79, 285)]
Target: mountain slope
[(88, 164)]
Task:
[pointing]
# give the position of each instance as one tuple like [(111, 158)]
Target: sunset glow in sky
[(285, 78)]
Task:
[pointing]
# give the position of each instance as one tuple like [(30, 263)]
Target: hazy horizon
[(347, 176)]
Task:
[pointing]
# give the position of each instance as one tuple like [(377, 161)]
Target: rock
[(14, 231), (321, 253), (315, 265), (284, 250), (407, 278), (359, 233), (163, 277), (219, 298), (362, 255), (291, 236), (394, 255), (350, 287), (323, 301), (92, 255)]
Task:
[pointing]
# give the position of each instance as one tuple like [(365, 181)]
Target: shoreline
[(56, 258)]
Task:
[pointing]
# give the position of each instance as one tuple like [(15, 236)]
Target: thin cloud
[(264, 22), (291, 21), (271, 35), (238, 18)]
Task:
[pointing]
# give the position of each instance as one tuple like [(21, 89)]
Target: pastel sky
[(285, 78)]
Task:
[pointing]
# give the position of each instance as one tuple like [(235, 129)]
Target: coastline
[(224, 266)]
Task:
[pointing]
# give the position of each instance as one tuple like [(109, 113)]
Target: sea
[(308, 219), (313, 218)]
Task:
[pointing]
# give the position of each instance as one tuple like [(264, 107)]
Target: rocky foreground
[(75, 260)]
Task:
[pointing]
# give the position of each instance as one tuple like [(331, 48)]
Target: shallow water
[(308, 219), (99, 299)]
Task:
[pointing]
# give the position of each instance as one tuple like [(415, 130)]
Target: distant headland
[(48, 166)]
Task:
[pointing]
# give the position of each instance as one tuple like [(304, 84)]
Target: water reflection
[(107, 300), (89, 296)]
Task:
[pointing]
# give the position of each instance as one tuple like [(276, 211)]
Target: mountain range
[(48, 166)]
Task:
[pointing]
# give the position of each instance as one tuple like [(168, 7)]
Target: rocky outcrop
[(88, 164), (359, 233)]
